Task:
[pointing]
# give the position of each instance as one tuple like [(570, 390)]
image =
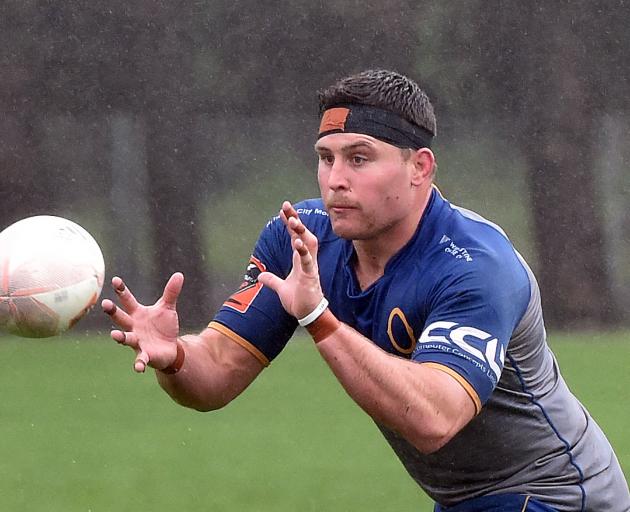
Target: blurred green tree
[(542, 76), (172, 107), (556, 68)]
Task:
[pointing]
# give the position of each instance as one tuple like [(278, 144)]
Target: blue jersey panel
[(481, 296), (254, 312)]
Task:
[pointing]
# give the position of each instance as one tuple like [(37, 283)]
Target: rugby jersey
[(459, 297)]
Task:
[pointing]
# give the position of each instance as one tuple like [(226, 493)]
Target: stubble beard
[(364, 228)]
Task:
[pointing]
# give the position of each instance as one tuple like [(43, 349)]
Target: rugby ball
[(51, 274)]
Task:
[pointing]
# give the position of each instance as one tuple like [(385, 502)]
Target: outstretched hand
[(301, 291), (151, 331)]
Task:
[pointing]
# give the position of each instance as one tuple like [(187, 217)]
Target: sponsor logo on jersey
[(400, 332), (309, 211), (272, 220), (476, 346), (249, 289), (301, 211), (458, 252)]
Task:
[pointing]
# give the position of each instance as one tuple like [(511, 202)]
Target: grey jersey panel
[(532, 436)]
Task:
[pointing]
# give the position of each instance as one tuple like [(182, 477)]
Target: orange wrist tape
[(176, 365), (324, 326)]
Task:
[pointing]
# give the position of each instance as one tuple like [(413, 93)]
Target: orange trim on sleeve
[(241, 341), (464, 383)]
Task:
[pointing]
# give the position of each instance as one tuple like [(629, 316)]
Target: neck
[(374, 253)]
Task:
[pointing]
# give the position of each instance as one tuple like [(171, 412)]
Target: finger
[(287, 222), (141, 362), (127, 299), (289, 211), (270, 280), (301, 248), (129, 339), (283, 217), (296, 226), (172, 289), (303, 257), (118, 316)]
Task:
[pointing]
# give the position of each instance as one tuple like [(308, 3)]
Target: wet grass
[(81, 432)]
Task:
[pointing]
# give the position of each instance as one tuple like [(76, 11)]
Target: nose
[(338, 178)]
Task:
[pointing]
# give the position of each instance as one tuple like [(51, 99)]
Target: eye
[(327, 159), (358, 160)]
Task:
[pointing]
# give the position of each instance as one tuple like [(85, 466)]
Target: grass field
[(81, 432)]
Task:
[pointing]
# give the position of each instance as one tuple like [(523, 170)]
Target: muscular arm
[(423, 404), (215, 371)]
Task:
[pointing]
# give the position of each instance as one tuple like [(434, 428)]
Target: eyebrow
[(347, 148)]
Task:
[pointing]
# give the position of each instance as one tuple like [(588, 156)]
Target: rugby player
[(424, 311)]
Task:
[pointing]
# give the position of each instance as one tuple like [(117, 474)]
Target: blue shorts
[(498, 503)]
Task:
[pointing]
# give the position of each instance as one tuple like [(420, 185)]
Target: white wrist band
[(315, 314)]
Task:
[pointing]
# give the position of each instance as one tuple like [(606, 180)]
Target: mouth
[(340, 208), (341, 205)]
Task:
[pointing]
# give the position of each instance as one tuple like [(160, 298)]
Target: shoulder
[(479, 291), (471, 265), (465, 243)]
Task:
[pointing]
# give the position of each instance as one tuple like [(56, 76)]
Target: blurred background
[(173, 130)]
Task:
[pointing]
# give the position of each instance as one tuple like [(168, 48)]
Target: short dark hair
[(382, 89)]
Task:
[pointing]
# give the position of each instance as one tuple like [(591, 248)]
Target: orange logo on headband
[(334, 119)]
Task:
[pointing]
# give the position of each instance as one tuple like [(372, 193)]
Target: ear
[(423, 161)]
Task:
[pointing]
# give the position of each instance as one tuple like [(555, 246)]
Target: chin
[(340, 230), (348, 232)]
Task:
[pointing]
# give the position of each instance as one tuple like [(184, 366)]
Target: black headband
[(376, 122)]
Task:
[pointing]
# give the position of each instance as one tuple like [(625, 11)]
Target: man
[(425, 313)]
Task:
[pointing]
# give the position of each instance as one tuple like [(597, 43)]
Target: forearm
[(405, 396), (215, 371)]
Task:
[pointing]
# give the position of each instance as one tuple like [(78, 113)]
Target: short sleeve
[(472, 314), (253, 315)]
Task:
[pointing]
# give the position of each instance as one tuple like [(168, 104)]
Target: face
[(368, 186)]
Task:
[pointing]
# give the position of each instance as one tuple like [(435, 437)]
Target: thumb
[(173, 288), (270, 280)]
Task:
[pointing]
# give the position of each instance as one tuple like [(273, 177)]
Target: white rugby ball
[(51, 274)]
